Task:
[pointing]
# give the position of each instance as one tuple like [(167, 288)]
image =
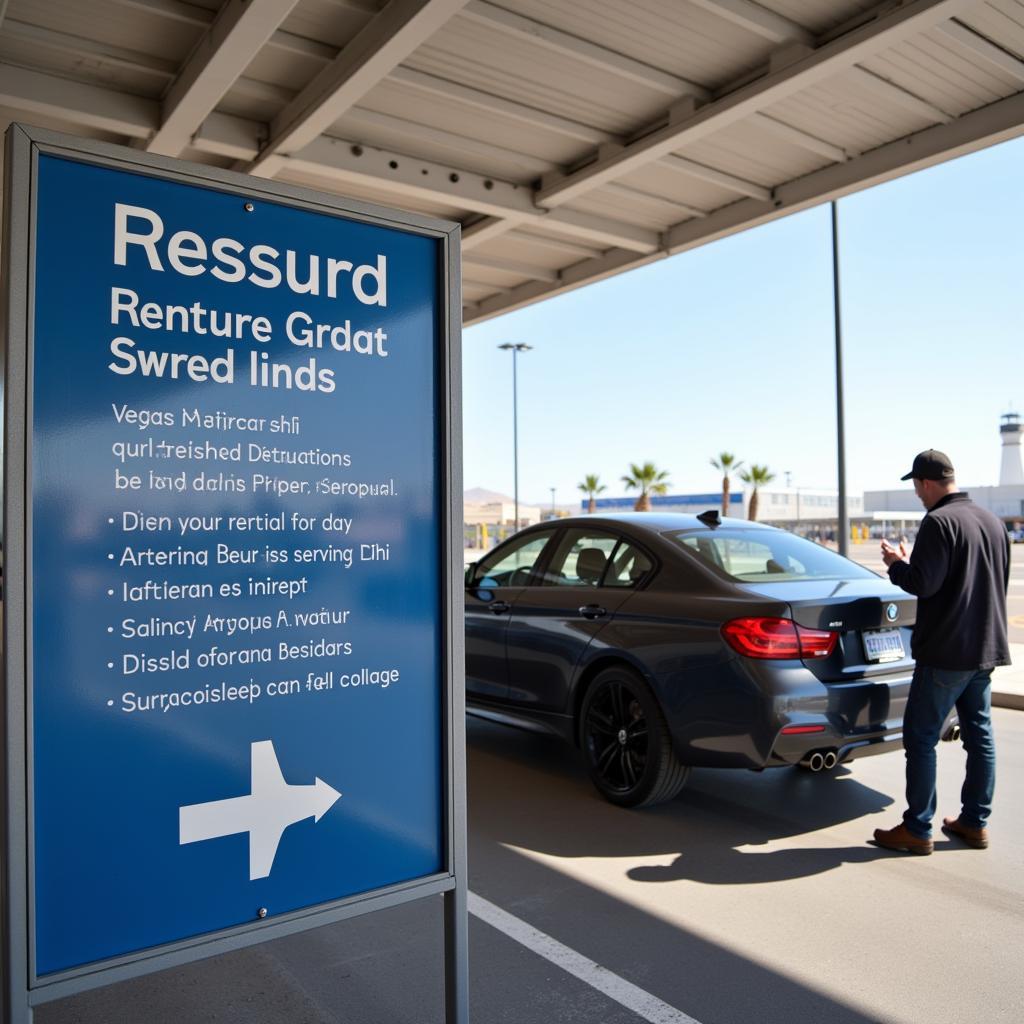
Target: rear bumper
[(846, 748), (734, 716), (850, 747), (861, 716)]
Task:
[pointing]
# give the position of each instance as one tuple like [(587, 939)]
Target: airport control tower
[(1010, 430)]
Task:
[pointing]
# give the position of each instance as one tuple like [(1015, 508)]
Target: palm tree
[(727, 463), (591, 486), (756, 476), (648, 479)]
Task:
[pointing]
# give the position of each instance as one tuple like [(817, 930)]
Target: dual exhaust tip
[(826, 760), (820, 760)]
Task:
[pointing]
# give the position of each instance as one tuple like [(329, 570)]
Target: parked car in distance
[(658, 642)]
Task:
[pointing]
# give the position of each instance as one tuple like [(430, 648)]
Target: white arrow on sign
[(271, 806)]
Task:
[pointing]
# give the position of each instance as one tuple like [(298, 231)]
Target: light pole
[(515, 347), (843, 518), (552, 503)]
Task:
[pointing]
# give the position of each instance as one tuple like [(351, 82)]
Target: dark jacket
[(959, 570)]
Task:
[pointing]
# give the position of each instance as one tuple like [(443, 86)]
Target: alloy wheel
[(616, 734)]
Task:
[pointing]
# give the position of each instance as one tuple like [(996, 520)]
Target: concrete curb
[(1008, 700), (1008, 681)]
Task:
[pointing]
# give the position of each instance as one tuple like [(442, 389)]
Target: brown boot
[(901, 838), (974, 837)]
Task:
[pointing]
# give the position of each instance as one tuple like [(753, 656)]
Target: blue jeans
[(933, 694)]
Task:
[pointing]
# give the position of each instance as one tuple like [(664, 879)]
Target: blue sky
[(730, 347)]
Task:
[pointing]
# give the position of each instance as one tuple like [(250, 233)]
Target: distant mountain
[(481, 496)]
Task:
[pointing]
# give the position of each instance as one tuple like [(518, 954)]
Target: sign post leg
[(456, 955), (17, 1010)]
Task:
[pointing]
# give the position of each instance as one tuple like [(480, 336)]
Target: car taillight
[(816, 643), (778, 639)]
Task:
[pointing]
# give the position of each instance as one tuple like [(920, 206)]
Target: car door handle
[(593, 611), (499, 607)]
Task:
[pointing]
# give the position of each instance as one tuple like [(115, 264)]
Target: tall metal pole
[(515, 437), (515, 348), (844, 515)]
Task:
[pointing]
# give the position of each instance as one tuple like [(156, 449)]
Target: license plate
[(884, 645)]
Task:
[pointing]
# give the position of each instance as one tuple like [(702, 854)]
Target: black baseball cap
[(931, 465)]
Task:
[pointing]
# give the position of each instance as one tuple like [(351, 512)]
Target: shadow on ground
[(529, 795), (530, 791)]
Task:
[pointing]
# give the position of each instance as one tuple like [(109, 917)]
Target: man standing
[(959, 571)]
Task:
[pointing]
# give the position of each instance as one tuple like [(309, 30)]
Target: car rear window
[(748, 555)]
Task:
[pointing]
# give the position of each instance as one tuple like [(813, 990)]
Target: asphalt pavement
[(750, 898)]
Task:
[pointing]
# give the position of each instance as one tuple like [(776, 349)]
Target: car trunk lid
[(873, 618)]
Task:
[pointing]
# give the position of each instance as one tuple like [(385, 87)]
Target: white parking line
[(642, 1003)]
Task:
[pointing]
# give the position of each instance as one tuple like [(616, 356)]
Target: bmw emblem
[(892, 612)]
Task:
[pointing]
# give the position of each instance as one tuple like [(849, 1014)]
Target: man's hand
[(891, 554)]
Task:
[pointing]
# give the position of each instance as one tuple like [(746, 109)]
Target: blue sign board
[(234, 559)]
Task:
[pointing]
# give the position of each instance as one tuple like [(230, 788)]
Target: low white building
[(1006, 501), (494, 509), (774, 504), (489, 517), (800, 504)]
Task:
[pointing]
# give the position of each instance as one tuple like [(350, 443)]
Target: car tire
[(626, 742)]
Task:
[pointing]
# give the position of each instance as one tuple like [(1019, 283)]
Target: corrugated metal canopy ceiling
[(573, 139)]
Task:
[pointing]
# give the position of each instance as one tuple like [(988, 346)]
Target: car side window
[(512, 564), (629, 565), (580, 559)]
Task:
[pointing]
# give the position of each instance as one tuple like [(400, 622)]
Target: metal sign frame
[(21, 989)]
